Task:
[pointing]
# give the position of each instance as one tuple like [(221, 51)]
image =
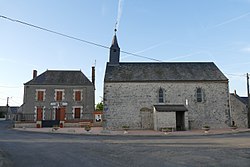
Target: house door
[(146, 120), (60, 114), (180, 121)]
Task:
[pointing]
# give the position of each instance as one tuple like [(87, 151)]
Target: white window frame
[(74, 94), (59, 90), (44, 93), (73, 111)]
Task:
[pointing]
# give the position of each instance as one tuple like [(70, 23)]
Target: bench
[(167, 129), (84, 124)]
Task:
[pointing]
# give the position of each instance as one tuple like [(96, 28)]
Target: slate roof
[(170, 108), (242, 99), (173, 71), (58, 77)]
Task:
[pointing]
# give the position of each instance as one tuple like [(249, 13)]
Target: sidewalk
[(100, 131)]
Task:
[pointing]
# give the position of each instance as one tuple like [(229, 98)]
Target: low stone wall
[(24, 124)]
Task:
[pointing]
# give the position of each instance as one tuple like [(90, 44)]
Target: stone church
[(155, 95)]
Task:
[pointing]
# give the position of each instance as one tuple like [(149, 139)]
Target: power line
[(236, 75), (71, 37), (10, 86)]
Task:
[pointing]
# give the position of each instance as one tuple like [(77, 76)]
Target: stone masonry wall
[(239, 112), (165, 119), (87, 99), (123, 102)]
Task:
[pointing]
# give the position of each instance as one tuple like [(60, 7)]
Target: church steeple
[(114, 55)]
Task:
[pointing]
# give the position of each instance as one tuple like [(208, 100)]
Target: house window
[(78, 113), (161, 98), (40, 94), (77, 95), (59, 95), (199, 95)]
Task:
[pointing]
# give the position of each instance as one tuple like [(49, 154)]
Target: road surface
[(28, 149)]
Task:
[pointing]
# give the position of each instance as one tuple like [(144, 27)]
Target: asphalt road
[(27, 149)]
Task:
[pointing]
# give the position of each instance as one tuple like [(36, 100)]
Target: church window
[(161, 98), (199, 95)]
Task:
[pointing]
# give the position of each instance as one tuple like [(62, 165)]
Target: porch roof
[(170, 108)]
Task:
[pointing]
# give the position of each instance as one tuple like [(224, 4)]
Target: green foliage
[(99, 106)]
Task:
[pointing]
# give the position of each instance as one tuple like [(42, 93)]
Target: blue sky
[(167, 30)]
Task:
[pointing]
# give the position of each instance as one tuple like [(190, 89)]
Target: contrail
[(119, 14), (230, 20), (146, 49), (151, 47), (180, 57), (192, 54)]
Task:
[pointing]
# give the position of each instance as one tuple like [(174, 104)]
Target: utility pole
[(7, 108), (7, 102), (248, 102)]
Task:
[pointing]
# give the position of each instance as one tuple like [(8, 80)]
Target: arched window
[(199, 95), (161, 98)]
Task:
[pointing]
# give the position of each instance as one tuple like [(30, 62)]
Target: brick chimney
[(34, 74), (93, 75)]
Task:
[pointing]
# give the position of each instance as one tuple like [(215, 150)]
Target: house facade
[(238, 107), (58, 97), (146, 95)]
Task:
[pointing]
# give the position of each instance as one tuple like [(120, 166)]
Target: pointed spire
[(114, 55), (114, 41)]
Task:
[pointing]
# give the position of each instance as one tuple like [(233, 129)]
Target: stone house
[(58, 98), (238, 107), (177, 95), (4, 111), (8, 112)]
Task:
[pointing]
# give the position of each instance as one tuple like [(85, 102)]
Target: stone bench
[(83, 124), (167, 129)]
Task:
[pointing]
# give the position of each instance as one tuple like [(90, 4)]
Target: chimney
[(235, 92), (93, 75), (34, 74)]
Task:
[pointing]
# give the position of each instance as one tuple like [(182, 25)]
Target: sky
[(167, 30)]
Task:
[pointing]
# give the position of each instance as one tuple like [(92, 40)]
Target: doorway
[(180, 120), (146, 119), (60, 114)]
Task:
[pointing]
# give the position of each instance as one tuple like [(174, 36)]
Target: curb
[(109, 133)]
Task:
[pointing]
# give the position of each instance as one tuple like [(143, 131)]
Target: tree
[(99, 106)]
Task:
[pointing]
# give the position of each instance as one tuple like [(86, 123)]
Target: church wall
[(165, 119), (123, 102)]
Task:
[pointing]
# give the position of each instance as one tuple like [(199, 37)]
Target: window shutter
[(59, 96), (78, 96), (40, 95)]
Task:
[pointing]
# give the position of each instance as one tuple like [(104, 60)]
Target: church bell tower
[(114, 55)]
